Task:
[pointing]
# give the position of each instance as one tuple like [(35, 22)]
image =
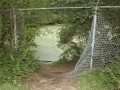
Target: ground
[(51, 77)]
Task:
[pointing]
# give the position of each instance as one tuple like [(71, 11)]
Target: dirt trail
[(51, 78)]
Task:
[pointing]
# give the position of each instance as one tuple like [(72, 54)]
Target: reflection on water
[(47, 49)]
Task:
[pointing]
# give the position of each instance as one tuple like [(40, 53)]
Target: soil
[(50, 77)]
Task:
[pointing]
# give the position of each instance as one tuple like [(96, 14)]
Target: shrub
[(102, 79), (16, 66)]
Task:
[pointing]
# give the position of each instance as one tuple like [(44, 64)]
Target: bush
[(16, 66), (102, 79)]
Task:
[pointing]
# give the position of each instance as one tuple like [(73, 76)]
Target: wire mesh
[(107, 42)]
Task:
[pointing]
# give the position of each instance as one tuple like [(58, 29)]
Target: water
[(47, 49)]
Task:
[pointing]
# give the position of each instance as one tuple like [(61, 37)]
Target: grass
[(97, 80), (107, 78), (8, 86)]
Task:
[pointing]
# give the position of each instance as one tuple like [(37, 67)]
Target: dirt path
[(51, 78)]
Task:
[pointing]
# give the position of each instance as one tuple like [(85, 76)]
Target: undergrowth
[(16, 65), (102, 79), (9, 86), (63, 61)]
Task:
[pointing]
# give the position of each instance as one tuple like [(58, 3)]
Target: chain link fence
[(102, 45)]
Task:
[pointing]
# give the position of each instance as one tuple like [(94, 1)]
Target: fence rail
[(53, 8)]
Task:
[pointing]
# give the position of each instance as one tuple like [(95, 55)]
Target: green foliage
[(0, 27), (17, 65), (110, 2), (62, 61), (75, 32), (8, 86), (78, 22), (72, 52), (16, 61), (102, 79)]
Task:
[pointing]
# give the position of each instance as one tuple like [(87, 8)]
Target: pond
[(47, 49)]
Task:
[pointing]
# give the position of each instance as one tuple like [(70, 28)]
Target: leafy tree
[(16, 60)]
